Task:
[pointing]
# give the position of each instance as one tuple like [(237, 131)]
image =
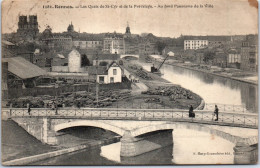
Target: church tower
[(70, 28), (127, 31)]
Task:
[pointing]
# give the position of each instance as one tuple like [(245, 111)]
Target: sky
[(227, 17)]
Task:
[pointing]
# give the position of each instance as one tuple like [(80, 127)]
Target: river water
[(213, 89), (190, 147)]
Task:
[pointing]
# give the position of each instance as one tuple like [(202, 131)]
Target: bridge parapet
[(225, 107), (235, 119)]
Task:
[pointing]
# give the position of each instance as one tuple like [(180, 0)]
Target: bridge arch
[(197, 127), (129, 55), (90, 123)]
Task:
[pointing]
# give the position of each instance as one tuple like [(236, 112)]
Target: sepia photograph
[(117, 82)]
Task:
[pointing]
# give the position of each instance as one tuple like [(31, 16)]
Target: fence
[(15, 93), (122, 85), (248, 120), (225, 107)]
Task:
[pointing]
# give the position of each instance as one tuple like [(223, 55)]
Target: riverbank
[(227, 75), (165, 94), (18, 147), (36, 158)]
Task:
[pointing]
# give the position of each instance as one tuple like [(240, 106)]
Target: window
[(101, 79), (111, 79), (114, 72), (245, 44), (252, 54), (252, 60)]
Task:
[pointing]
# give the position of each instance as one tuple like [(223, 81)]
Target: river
[(189, 146), (213, 89)]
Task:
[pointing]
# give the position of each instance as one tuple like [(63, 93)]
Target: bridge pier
[(133, 146), (40, 128), (245, 154)]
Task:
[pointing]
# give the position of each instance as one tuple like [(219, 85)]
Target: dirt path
[(138, 88)]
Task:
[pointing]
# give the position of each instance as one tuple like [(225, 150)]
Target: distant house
[(249, 54), (74, 61), (220, 58), (234, 58), (110, 74), (114, 44), (9, 49)]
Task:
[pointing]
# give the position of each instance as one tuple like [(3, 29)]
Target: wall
[(109, 61), (105, 78), (134, 146), (74, 61), (60, 69), (117, 77)]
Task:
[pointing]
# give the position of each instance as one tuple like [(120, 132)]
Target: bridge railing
[(225, 107), (201, 116)]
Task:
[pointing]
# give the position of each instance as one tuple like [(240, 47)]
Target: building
[(87, 43), (21, 73), (195, 44), (70, 28), (56, 41), (8, 49), (131, 46), (249, 54), (107, 74), (147, 47), (200, 56), (234, 58), (220, 58), (105, 59), (28, 30), (113, 44), (127, 31), (74, 62)]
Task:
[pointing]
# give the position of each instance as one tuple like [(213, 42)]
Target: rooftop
[(23, 68), (107, 57), (100, 70), (209, 38), (7, 43)]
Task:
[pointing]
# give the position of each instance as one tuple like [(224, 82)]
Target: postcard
[(117, 82)]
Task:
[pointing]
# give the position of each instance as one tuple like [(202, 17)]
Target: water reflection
[(190, 147), (212, 89), (193, 147)]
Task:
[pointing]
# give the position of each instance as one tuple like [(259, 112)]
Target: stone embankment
[(35, 158)]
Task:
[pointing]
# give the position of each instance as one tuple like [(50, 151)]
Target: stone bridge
[(129, 55), (133, 125)]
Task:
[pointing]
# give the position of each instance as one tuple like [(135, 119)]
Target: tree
[(84, 60), (208, 56), (160, 46)]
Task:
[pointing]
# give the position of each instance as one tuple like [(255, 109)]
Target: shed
[(23, 68)]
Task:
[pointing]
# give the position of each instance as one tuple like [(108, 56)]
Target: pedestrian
[(191, 111), (78, 104), (56, 107), (216, 112), (29, 109)]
